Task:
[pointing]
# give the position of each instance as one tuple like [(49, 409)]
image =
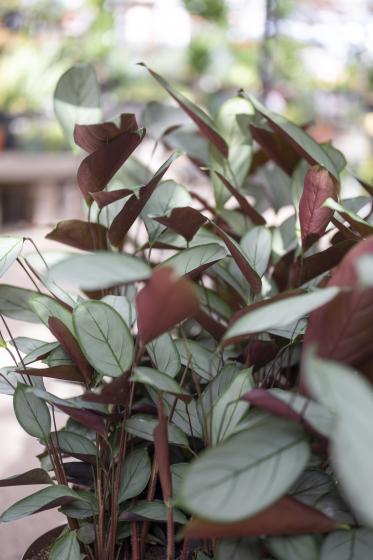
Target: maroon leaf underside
[(84, 417), (133, 207), (97, 169), (164, 302), (115, 392), (71, 347), (203, 122), (274, 147), (249, 273), (245, 205), (285, 517), (343, 328), (86, 236), (103, 198), (90, 137), (185, 221), (64, 372), (211, 325), (319, 185)]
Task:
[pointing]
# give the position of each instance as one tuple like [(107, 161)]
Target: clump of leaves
[(221, 366)]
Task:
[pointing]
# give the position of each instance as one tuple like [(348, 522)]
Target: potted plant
[(222, 365)]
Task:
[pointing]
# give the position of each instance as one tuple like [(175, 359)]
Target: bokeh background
[(309, 59)]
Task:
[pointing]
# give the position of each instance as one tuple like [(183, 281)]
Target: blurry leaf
[(161, 382), (246, 473), (343, 328), (86, 236), (278, 313), (104, 198), (77, 99), (178, 471), (99, 270), (202, 361), (66, 547), (335, 155), (34, 476), (213, 303), (159, 118), (229, 409), (46, 307), (164, 302), (37, 502), (135, 205), (350, 397), (294, 136), (142, 426), (135, 474), (257, 245), (189, 140), (155, 511), (103, 337), (355, 544), (238, 549), (185, 221), (199, 117), (314, 217), (162, 455), (357, 223), (305, 547), (282, 154), (15, 303), (195, 260), (31, 412), (10, 249), (285, 517), (123, 306), (164, 355)]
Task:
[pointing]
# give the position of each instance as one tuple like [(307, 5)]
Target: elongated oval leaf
[(257, 245), (246, 473), (103, 337), (348, 545), (34, 476), (32, 413), (164, 355), (10, 249), (279, 313), (196, 259), (37, 502), (135, 475), (142, 426), (99, 270), (72, 443), (123, 306), (200, 359), (159, 381), (15, 303), (66, 547), (46, 307)]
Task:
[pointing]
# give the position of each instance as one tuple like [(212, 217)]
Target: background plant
[(222, 365)]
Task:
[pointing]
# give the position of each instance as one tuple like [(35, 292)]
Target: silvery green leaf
[(10, 249), (135, 474)]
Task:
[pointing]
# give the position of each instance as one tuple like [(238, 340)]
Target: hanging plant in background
[(221, 367)]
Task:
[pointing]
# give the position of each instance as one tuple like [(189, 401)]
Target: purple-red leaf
[(245, 205), (319, 185), (131, 210), (87, 236), (285, 517), (64, 372), (84, 417), (274, 147), (162, 454), (103, 198), (185, 221), (164, 302), (71, 347), (91, 137), (98, 168), (115, 392), (199, 117), (343, 328)]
